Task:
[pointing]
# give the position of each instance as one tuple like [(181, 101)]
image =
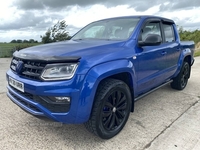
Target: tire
[(180, 81), (111, 109)]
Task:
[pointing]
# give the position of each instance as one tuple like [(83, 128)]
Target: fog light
[(60, 100)]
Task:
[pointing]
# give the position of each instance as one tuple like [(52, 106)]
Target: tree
[(56, 33), (19, 41), (186, 35), (31, 41), (47, 37), (25, 41), (13, 41)]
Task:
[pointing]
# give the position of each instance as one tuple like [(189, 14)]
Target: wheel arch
[(121, 69), (126, 78), (186, 55), (109, 114)]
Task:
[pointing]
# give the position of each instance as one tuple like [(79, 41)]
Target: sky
[(29, 19)]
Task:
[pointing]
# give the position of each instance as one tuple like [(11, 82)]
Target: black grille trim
[(24, 102), (30, 69), (28, 74), (55, 108), (33, 67)]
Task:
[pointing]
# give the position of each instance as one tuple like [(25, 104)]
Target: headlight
[(59, 71)]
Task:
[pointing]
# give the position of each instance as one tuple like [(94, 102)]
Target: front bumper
[(29, 99)]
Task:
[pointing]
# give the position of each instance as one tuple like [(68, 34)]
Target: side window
[(169, 33), (150, 28)]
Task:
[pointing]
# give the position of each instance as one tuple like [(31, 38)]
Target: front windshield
[(112, 29)]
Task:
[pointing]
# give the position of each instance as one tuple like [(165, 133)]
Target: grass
[(11, 45), (7, 49), (197, 53)]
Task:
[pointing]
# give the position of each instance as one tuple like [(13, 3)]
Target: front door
[(152, 60)]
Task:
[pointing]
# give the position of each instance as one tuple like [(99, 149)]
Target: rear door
[(171, 43)]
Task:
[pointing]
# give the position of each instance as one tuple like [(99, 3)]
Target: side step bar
[(152, 90)]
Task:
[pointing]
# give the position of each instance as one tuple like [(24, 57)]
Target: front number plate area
[(16, 84)]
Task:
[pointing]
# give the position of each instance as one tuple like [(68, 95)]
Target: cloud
[(179, 5), (141, 5), (30, 19), (54, 4), (188, 24), (22, 22), (24, 18)]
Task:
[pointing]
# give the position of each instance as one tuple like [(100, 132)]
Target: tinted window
[(169, 33), (112, 29), (150, 28), (94, 32)]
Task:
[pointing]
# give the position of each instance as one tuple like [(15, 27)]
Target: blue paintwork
[(99, 60)]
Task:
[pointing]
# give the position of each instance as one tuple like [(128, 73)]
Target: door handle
[(164, 53)]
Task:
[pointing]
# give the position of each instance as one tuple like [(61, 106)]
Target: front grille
[(44, 101), (27, 68), (24, 102)]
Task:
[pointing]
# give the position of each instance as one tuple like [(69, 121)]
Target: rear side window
[(169, 33)]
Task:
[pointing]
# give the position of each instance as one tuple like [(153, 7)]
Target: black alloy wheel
[(114, 110), (185, 75), (111, 109), (181, 80)]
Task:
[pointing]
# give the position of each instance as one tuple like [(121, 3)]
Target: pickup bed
[(96, 77)]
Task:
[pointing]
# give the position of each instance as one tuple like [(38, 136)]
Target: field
[(197, 53), (7, 49)]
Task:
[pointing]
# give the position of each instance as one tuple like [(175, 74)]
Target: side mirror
[(151, 40)]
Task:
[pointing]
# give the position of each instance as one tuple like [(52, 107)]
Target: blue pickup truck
[(96, 77)]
